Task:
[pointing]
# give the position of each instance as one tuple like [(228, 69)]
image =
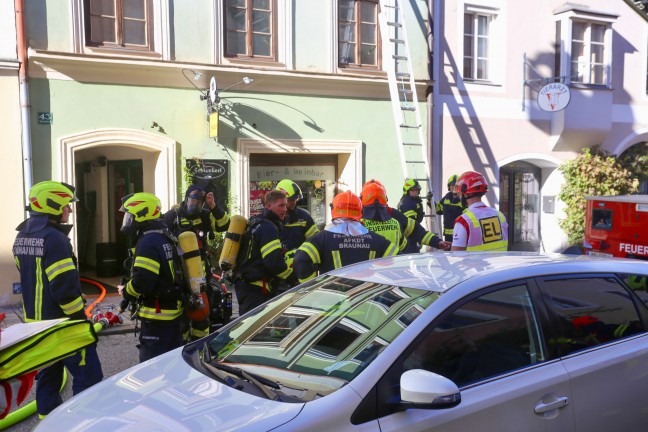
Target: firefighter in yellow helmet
[(344, 241), (298, 225), (479, 228), (450, 207), (411, 205), (51, 287), (155, 283)]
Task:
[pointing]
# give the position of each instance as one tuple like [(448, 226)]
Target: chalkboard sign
[(213, 175)]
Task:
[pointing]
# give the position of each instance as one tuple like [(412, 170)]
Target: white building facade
[(492, 59)]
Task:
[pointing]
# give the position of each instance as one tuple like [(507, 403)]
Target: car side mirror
[(424, 389)]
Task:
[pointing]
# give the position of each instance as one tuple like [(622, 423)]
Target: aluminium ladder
[(409, 130)]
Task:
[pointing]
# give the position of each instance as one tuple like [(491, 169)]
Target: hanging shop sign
[(213, 175), (554, 97)]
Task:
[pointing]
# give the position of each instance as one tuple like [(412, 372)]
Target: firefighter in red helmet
[(479, 228)]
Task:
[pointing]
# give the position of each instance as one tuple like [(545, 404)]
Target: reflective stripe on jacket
[(486, 227), (51, 287)]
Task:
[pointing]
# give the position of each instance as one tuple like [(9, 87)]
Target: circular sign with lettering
[(553, 97)]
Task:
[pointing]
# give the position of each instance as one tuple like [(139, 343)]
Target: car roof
[(440, 271)]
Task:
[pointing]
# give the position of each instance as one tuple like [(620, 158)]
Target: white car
[(433, 342)]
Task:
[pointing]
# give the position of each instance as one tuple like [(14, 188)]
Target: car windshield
[(320, 336)]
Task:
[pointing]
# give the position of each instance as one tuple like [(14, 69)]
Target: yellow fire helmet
[(411, 184), (291, 189), (143, 206), (50, 197)]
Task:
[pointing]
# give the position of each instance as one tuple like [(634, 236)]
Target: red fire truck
[(617, 226)]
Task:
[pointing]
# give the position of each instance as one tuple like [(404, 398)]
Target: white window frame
[(476, 38), (567, 20), (160, 43), (493, 10)]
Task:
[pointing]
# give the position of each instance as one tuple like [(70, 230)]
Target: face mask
[(194, 205)]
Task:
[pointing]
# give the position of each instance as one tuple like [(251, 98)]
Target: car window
[(591, 311), (638, 284), (493, 334)]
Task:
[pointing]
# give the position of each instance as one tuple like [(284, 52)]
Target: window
[(250, 29), (476, 46), (583, 45), (358, 44), (488, 336), (588, 64), (119, 23), (590, 311), (602, 219)]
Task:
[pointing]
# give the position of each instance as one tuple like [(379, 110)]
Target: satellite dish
[(213, 93)]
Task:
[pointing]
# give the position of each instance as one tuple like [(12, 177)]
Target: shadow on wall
[(587, 120), (468, 126), (238, 119)]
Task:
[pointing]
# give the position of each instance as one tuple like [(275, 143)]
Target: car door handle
[(544, 407)]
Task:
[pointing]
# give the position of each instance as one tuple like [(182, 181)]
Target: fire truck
[(617, 226)]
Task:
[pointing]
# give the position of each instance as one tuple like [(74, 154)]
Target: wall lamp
[(213, 95)]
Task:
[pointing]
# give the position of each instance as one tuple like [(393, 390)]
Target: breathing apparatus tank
[(232, 243), (194, 273)]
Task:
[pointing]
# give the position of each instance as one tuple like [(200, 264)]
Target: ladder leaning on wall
[(409, 130)]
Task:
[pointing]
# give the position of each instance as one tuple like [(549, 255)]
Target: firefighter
[(344, 241), (411, 205), (450, 207), (299, 224), (51, 287), (391, 223), (479, 228), (257, 279), (155, 284), (199, 213)]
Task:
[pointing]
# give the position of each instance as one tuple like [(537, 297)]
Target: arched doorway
[(106, 165), (520, 203)]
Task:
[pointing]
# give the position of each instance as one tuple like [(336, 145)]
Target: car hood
[(166, 394)]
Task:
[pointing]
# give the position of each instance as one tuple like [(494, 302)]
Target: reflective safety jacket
[(486, 228), (48, 271), (339, 245), (298, 226), (390, 229), (412, 208), (154, 282), (266, 261), (414, 233), (450, 207)]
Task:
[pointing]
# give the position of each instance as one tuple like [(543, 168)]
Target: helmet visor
[(127, 222)]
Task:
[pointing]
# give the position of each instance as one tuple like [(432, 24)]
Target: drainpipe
[(432, 97), (23, 79)]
